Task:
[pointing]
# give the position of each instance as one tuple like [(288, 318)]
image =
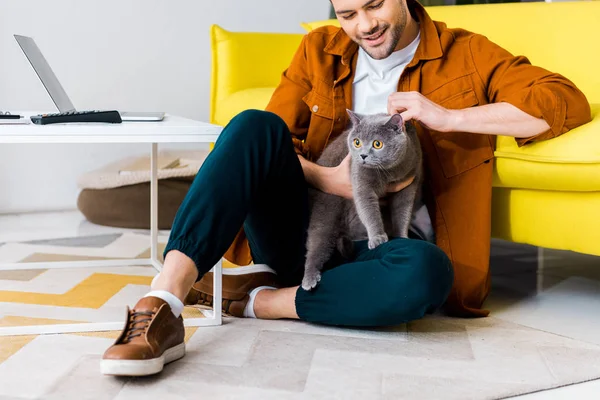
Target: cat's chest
[(376, 179)]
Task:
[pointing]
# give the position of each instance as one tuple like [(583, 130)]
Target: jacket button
[(315, 108)]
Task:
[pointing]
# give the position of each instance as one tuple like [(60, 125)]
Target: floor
[(565, 302)]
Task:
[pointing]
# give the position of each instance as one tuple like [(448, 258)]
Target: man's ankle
[(276, 304), (249, 309), (177, 276), (261, 306)]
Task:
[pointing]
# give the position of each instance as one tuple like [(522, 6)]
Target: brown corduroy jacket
[(456, 69)]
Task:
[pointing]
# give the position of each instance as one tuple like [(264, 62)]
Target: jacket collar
[(429, 48)]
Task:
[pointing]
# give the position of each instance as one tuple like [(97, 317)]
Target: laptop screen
[(45, 73)]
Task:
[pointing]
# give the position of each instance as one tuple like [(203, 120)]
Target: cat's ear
[(354, 117), (396, 122)]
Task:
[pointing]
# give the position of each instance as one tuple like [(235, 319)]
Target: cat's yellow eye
[(377, 144), (357, 143)]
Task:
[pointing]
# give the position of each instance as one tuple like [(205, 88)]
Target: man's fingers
[(396, 187), (407, 115), (406, 107), (397, 108)]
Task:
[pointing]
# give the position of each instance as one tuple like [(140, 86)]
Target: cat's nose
[(364, 156)]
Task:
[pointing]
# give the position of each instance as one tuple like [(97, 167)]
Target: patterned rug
[(73, 295), (435, 358)]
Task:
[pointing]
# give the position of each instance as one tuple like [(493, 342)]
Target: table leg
[(218, 292), (215, 318), (154, 208)]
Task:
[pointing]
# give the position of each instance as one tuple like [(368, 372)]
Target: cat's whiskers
[(379, 167)]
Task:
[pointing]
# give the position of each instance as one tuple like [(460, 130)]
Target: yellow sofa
[(545, 194)]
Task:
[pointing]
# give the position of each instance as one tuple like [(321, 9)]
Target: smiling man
[(457, 87)]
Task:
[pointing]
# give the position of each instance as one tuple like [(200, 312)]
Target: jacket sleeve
[(287, 100), (534, 90)]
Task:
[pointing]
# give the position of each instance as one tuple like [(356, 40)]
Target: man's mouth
[(376, 38)]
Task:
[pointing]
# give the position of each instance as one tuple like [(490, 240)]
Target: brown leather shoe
[(237, 282), (151, 338)]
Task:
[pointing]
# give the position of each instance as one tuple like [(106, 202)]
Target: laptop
[(55, 89)]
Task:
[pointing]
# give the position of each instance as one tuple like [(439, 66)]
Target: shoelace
[(136, 320), (207, 300)]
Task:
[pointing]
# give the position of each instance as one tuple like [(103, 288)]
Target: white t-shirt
[(374, 81)]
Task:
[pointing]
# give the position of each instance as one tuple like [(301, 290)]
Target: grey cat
[(383, 150)]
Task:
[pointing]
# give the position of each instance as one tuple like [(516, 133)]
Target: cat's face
[(377, 140)]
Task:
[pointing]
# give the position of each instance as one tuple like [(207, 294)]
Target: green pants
[(254, 179)]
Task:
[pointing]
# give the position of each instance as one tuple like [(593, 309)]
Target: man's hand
[(415, 106), (396, 187), (338, 179)]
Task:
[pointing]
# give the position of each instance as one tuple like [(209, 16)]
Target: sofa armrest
[(569, 162), (579, 145)]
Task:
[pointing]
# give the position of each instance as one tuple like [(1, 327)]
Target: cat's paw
[(377, 240), (311, 280)]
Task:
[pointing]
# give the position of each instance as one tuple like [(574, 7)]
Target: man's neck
[(410, 33)]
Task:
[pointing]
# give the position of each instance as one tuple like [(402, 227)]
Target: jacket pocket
[(319, 105), (460, 151), (321, 122)]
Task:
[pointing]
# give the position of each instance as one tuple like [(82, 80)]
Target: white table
[(172, 129)]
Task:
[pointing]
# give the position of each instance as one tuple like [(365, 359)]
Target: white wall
[(114, 54)]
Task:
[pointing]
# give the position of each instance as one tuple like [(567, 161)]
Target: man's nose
[(364, 156), (366, 24)]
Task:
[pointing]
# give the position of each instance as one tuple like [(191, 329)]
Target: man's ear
[(354, 117), (397, 122)]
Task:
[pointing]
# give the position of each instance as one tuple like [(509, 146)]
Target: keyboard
[(112, 117)]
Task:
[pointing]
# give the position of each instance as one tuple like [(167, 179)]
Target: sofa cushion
[(129, 206)]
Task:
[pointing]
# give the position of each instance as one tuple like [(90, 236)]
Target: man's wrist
[(456, 120)]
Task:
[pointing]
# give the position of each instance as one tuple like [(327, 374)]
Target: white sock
[(249, 310), (175, 304)]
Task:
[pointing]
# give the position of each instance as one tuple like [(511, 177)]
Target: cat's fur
[(336, 221)]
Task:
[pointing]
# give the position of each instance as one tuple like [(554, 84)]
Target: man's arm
[(499, 119), (492, 119), (332, 180)]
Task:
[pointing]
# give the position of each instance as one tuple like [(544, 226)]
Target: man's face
[(375, 25)]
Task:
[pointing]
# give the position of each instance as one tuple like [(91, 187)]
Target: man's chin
[(377, 53)]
